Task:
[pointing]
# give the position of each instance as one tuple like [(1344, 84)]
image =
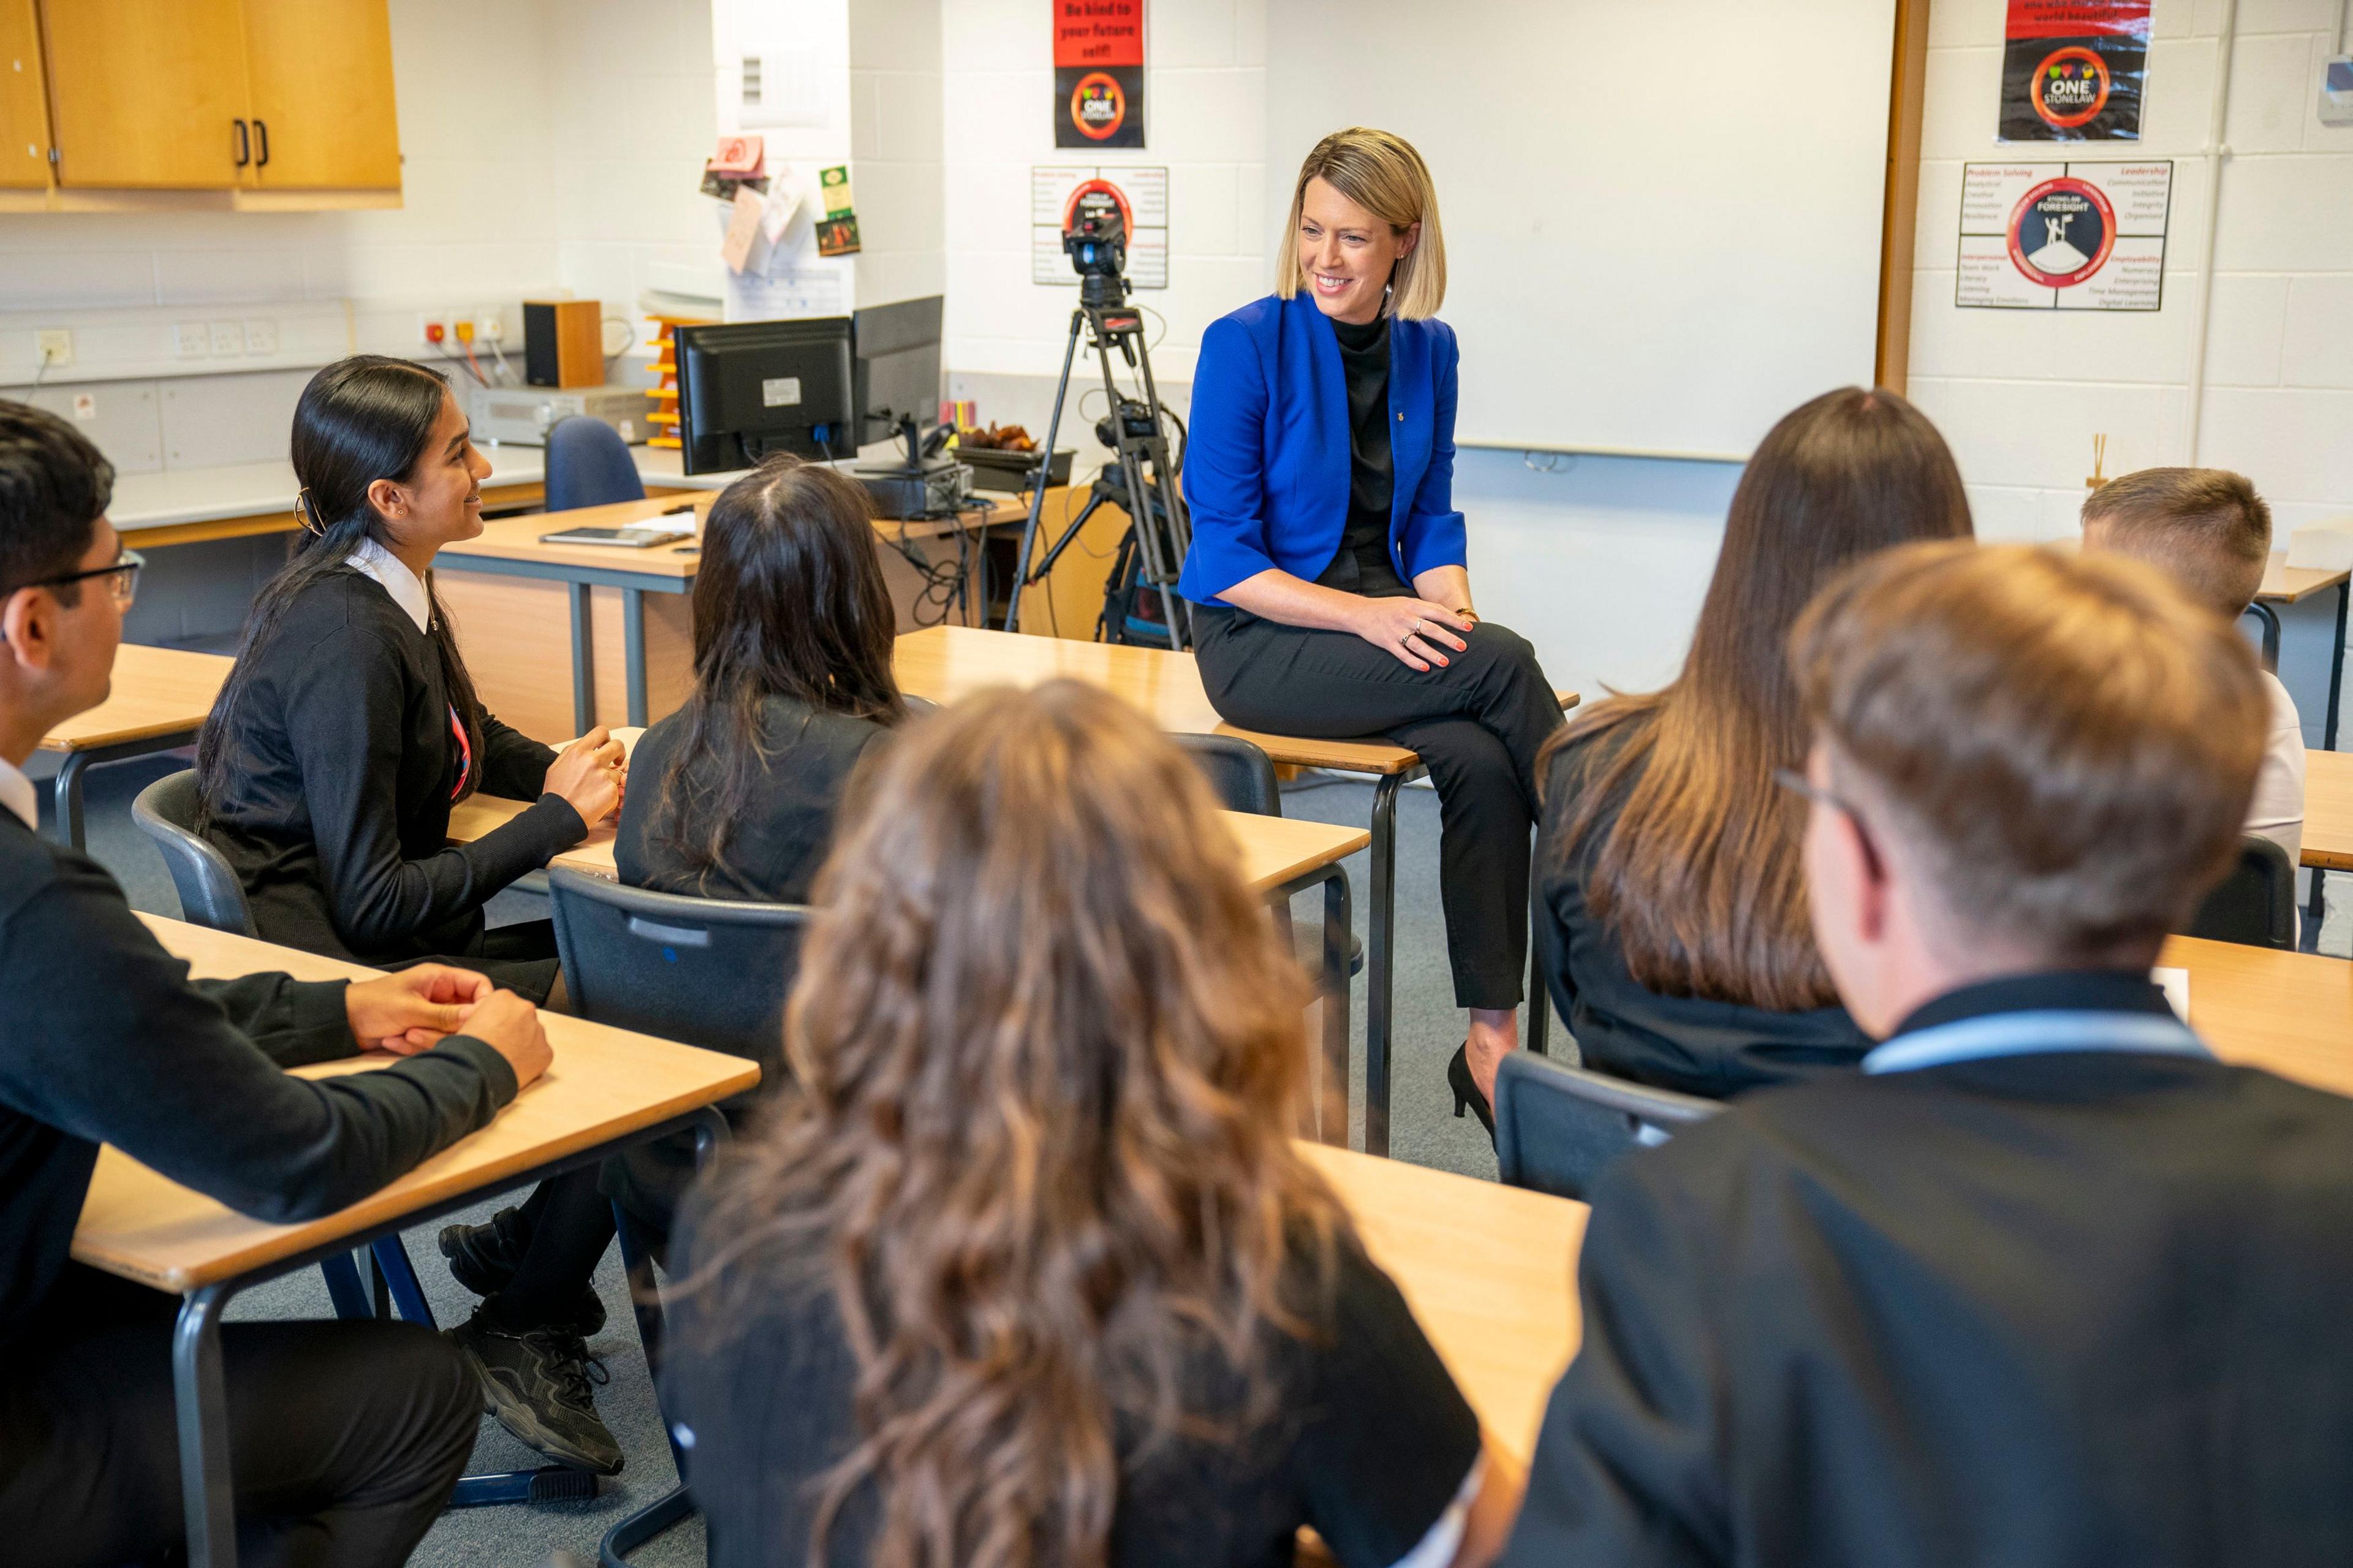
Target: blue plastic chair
[(588, 464)]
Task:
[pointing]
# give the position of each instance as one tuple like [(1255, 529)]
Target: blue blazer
[(1266, 461)]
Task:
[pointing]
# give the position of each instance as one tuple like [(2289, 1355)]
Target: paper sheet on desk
[(2175, 983)]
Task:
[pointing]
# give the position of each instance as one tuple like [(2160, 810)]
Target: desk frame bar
[(584, 659), (208, 1498)]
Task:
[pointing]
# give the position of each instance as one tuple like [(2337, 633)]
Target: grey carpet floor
[(1423, 1131)]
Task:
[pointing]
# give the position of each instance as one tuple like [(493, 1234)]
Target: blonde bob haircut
[(1382, 174)]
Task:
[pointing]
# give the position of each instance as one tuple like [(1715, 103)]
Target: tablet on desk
[(619, 538)]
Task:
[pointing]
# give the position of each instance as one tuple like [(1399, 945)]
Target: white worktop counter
[(253, 490)]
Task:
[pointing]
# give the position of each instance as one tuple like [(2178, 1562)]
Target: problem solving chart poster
[(2072, 70), (2063, 236)]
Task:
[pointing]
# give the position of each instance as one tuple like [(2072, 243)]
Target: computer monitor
[(752, 389), (898, 349)]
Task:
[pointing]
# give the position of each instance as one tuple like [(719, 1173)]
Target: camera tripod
[(1142, 483)]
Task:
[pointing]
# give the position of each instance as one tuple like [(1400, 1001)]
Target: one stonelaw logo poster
[(1098, 73), (2073, 71)]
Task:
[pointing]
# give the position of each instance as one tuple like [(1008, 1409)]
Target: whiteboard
[(1661, 217)]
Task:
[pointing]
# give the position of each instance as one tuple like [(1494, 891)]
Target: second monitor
[(816, 388)]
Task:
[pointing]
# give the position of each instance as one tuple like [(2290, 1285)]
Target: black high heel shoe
[(1466, 1088)]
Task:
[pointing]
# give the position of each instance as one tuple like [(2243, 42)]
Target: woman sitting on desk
[(734, 798), (1328, 559), (349, 726), (1025, 1267)]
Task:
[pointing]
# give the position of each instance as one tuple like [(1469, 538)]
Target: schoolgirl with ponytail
[(350, 726)]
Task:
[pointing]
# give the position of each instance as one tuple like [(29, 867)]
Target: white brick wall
[(1205, 100), (2020, 394)]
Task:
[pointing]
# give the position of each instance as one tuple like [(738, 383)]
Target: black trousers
[(1477, 722), (344, 1438)]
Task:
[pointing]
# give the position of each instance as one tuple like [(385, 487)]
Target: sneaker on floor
[(540, 1384), (484, 1258)]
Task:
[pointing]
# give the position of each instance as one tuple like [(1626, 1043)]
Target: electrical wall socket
[(192, 339), (228, 339), (53, 345), (261, 336)]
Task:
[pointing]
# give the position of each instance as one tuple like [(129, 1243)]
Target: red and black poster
[(1098, 73), (2072, 70)]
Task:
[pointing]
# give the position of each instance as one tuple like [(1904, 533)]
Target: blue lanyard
[(2035, 1034)]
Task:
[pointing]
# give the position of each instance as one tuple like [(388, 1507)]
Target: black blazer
[(774, 849), (344, 763), (103, 1039), (1691, 1043), (2072, 1309)]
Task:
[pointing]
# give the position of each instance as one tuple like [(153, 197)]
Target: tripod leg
[(1021, 577)]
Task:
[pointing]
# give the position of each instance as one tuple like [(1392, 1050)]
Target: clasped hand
[(1417, 631)]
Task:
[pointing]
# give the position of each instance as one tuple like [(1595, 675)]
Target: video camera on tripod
[(1140, 600)]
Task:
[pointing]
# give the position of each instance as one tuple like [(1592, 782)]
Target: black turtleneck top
[(1363, 564)]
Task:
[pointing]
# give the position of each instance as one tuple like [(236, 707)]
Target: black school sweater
[(343, 762), (103, 1039)]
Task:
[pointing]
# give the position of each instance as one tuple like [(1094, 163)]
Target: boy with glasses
[(344, 1438), (2044, 1283)]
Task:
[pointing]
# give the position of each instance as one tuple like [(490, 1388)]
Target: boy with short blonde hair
[(2212, 533), (2044, 1284)]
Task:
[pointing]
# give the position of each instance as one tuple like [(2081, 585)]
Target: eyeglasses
[(124, 573), (1797, 783)]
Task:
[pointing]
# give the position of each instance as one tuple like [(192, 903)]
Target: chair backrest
[(2256, 903), (1556, 1127), (210, 894), (707, 971), (1238, 770), (588, 464)]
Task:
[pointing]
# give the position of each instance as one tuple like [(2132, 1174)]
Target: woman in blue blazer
[(1328, 560)]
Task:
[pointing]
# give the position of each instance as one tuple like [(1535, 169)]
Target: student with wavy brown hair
[(1026, 1269), (1673, 910)]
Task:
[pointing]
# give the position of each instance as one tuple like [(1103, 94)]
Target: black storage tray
[(1010, 471)]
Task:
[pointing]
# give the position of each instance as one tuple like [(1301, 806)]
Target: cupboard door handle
[(261, 131), (244, 144)]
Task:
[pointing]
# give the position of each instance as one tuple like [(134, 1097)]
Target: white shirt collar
[(392, 573), (18, 794)]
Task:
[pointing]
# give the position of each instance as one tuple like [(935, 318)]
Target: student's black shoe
[(1466, 1089), (541, 1386), (484, 1258)]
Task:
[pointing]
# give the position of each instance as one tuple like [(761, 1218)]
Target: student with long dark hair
[(1025, 1267), (735, 792), (1673, 904), (734, 798), (350, 725)]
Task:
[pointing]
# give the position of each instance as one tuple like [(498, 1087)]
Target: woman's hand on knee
[(1417, 631)]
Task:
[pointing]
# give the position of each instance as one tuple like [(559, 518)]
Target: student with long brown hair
[(1674, 908), (734, 798), (1026, 1269), (735, 793)]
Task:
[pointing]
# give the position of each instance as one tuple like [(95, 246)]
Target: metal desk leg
[(200, 1403), (2337, 666), (1539, 1031), (584, 661), (68, 795), (1381, 964), (2270, 617), (633, 635), (1337, 923)]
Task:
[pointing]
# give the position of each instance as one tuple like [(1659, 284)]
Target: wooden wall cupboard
[(266, 100), (24, 106)]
